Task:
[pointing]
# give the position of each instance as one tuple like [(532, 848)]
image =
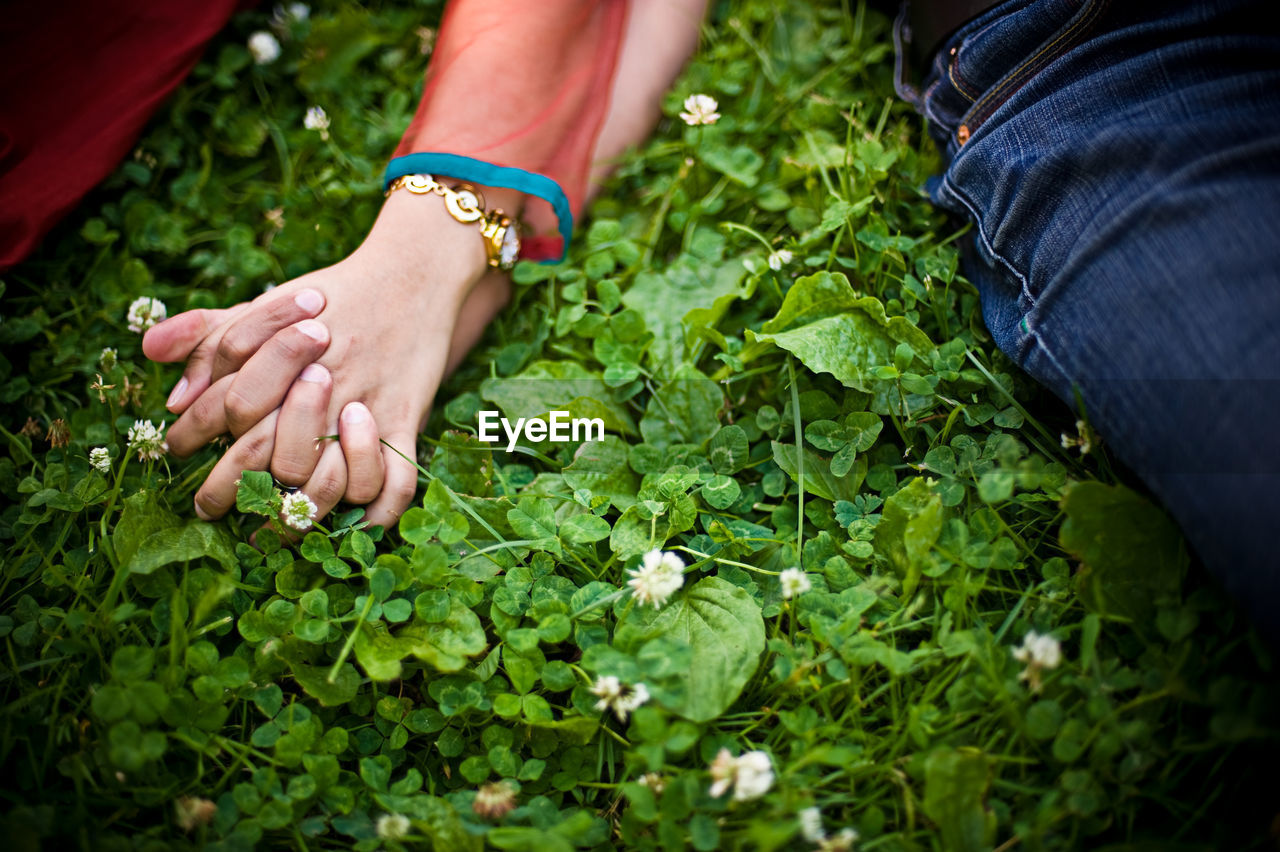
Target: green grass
[(846, 414)]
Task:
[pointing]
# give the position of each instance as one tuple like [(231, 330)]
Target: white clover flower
[(653, 781), (318, 120), (842, 841), (618, 698), (794, 583), (108, 358), (298, 511), (191, 812), (494, 800), (811, 830), (608, 688), (657, 579), (1039, 650), (147, 440), (100, 459), (750, 775), (392, 826), (144, 312), (630, 703), (1083, 438), (1040, 653), (426, 39), (285, 14), (700, 109), (754, 777), (722, 772), (779, 259), (264, 47), (811, 825)]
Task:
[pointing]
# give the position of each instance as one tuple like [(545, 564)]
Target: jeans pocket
[(990, 64)]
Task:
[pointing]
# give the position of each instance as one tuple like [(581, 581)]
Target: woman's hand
[(391, 318)]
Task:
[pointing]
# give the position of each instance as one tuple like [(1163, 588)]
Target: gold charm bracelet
[(466, 205)]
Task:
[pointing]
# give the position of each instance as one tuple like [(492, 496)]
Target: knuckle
[(212, 504), (239, 409), (294, 345), (281, 311), (290, 471), (235, 347), (255, 451), (362, 491), (326, 489), (400, 494), (207, 413)]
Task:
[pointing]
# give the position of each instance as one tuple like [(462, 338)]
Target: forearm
[(659, 38), (558, 89)]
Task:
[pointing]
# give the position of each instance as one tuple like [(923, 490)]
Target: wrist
[(416, 243)]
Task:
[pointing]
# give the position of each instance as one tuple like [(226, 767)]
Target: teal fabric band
[(487, 174)]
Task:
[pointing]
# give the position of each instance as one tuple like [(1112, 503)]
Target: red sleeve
[(78, 81)]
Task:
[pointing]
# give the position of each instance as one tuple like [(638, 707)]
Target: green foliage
[(172, 683)]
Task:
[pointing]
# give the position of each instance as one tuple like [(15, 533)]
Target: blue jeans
[(1121, 164)]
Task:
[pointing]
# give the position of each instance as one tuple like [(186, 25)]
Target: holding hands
[(356, 349)]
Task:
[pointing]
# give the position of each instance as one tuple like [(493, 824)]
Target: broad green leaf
[(446, 644), (955, 784), (132, 662), (685, 410), (314, 680), (584, 529), (1043, 719), (911, 523), (192, 540), (257, 494), (634, 533), (728, 451), (721, 491), (378, 652), (818, 478), (832, 330), (575, 730), (420, 524), (670, 302), (547, 386), (141, 517), (601, 468), (1132, 556), (813, 297), (724, 631), (534, 519), (849, 346), (740, 163)]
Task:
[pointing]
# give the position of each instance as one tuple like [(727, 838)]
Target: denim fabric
[(1121, 163)]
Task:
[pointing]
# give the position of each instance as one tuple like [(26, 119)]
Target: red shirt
[(78, 81)]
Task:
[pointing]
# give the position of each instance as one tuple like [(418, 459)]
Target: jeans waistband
[(931, 21)]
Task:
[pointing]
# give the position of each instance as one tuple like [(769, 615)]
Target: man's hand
[(387, 323)]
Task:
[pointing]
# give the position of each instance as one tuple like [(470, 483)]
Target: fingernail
[(310, 301), (313, 373), (204, 516), (176, 394), (354, 413), (313, 329)]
